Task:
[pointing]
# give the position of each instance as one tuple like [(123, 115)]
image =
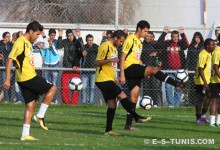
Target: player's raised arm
[(8, 73)]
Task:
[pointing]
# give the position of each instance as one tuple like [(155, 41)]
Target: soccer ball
[(146, 102), (75, 84), (182, 75)]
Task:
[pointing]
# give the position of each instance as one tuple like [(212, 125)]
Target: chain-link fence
[(94, 17)]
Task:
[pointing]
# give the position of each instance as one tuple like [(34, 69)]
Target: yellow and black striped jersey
[(204, 61), (22, 54), (215, 61), (106, 72), (133, 48)]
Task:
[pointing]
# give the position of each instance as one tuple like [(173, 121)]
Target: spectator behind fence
[(14, 37), (106, 36), (72, 54), (5, 49), (37, 47), (88, 61), (51, 57), (173, 58), (196, 45), (217, 33), (150, 57)]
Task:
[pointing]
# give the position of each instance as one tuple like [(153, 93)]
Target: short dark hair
[(142, 24), (119, 34), (150, 32), (89, 36), (109, 32), (174, 32), (52, 31), (4, 34), (207, 42), (35, 26), (217, 28), (69, 31), (218, 38)]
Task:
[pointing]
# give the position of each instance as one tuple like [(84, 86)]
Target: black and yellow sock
[(198, 116), (110, 116), (130, 108), (164, 77), (204, 111), (129, 118)]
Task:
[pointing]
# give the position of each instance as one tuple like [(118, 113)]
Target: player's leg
[(212, 111), (199, 102), (214, 89), (134, 93), (29, 111), (40, 86), (155, 71), (109, 91), (110, 116), (29, 98), (127, 106), (205, 107), (218, 116)]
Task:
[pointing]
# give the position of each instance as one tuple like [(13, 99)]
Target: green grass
[(82, 127)]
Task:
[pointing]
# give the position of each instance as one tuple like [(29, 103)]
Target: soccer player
[(215, 87), (202, 79), (132, 69), (30, 83), (106, 79)]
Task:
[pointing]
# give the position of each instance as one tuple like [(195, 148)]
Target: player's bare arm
[(201, 73), (8, 73), (216, 70), (103, 62), (122, 73)]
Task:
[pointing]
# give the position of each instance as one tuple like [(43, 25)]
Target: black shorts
[(134, 74), (200, 90), (215, 90), (34, 87), (109, 90)]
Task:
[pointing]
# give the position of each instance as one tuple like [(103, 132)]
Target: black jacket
[(148, 48), (89, 60), (5, 49), (72, 51), (192, 56)]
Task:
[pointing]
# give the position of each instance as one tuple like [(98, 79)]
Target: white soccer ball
[(146, 102), (182, 75), (75, 84)]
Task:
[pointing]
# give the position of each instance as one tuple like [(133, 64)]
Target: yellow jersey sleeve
[(106, 72), (205, 62), (17, 49), (202, 60), (102, 52), (127, 45), (215, 61), (216, 58)]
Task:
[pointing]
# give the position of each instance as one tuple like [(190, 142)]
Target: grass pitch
[(82, 128)]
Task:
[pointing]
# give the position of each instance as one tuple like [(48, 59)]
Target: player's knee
[(53, 89), (30, 106), (122, 95), (155, 70), (151, 70)]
